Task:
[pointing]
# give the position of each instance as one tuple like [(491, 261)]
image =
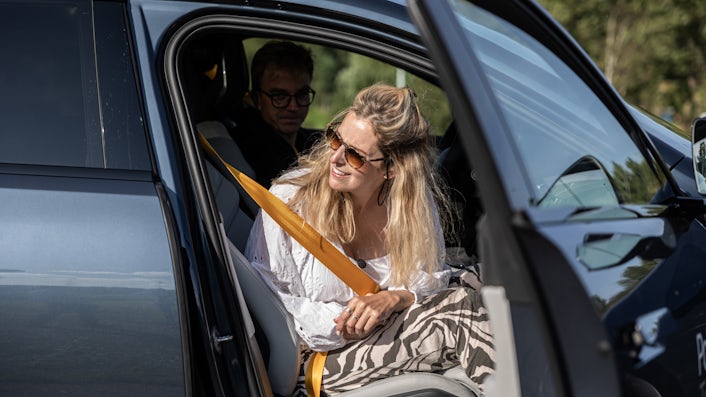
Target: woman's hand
[(364, 313)]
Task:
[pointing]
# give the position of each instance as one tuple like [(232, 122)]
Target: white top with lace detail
[(310, 292)]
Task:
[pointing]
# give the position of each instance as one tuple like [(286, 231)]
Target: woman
[(371, 189)]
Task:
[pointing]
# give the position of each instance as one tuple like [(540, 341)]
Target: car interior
[(215, 78)]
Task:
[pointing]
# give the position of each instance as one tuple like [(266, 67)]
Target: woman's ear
[(389, 169)]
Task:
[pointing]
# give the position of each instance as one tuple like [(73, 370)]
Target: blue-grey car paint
[(87, 292)]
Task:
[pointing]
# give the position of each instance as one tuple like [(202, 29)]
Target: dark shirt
[(266, 150)]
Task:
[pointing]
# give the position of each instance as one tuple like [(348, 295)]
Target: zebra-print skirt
[(442, 331)]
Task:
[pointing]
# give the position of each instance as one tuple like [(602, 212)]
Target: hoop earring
[(386, 186), (384, 192)]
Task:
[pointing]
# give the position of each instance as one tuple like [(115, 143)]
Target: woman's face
[(363, 183)]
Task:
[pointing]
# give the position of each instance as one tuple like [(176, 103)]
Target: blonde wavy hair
[(416, 195)]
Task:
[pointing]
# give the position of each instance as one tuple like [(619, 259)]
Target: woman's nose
[(338, 155)]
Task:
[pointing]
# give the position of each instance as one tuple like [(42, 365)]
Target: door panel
[(651, 298), (487, 101), (619, 273), (87, 291)]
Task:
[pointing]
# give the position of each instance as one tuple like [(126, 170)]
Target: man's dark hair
[(281, 54)]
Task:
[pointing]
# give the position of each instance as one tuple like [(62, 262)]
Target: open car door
[(580, 240)]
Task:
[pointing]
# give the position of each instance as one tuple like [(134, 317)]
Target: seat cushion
[(416, 384)]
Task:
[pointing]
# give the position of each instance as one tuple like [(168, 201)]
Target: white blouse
[(312, 294)]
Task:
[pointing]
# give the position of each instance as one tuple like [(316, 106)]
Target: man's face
[(287, 120)]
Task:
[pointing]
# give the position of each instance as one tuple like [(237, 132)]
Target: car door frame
[(399, 50), (219, 351)]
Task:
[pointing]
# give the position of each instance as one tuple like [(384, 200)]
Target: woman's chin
[(335, 184)]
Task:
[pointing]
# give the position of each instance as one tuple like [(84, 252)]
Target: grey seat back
[(277, 325), (237, 208), (264, 305)]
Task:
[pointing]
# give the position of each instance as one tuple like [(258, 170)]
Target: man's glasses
[(282, 99), (353, 158)]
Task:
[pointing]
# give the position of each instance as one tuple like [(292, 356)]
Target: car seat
[(215, 77), (284, 361), (225, 188)]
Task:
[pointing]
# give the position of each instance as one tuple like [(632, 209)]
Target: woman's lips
[(336, 172)]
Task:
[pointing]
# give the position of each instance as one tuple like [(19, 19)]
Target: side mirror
[(698, 147)]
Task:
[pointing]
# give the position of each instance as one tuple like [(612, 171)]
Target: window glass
[(575, 151), (50, 104), (123, 129), (339, 75)]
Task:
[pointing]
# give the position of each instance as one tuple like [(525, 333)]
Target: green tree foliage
[(652, 51)]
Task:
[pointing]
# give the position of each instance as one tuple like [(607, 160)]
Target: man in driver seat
[(270, 133)]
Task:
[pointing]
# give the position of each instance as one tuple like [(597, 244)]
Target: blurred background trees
[(652, 51)]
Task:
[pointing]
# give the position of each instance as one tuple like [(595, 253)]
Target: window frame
[(296, 27)]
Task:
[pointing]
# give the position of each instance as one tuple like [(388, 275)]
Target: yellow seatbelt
[(310, 239)]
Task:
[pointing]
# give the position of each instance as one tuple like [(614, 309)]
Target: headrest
[(212, 130), (215, 74)]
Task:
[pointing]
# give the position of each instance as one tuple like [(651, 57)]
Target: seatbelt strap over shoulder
[(301, 231), (310, 239)]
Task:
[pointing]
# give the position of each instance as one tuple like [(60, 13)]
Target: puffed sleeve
[(425, 284), (269, 249)]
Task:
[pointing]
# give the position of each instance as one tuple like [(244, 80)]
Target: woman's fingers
[(363, 323), (362, 315)]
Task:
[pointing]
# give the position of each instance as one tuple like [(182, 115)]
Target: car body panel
[(86, 272), (149, 23)]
